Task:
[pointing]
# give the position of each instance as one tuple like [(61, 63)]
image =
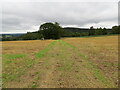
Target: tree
[(92, 31), (100, 31), (97, 31), (104, 31), (30, 36), (116, 29), (51, 30)]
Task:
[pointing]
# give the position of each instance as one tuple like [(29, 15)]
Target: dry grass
[(24, 47), (19, 56), (103, 51), (79, 63)]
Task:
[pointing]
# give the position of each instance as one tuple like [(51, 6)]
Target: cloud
[(27, 16)]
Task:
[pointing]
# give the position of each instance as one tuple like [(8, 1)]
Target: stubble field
[(89, 62)]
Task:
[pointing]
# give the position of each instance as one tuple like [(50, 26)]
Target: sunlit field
[(85, 62)]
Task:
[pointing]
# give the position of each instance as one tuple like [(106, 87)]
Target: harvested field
[(102, 51), (67, 63)]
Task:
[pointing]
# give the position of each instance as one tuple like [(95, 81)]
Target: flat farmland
[(87, 62)]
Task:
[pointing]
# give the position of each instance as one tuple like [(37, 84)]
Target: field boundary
[(94, 36)]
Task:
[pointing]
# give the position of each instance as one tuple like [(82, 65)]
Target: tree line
[(55, 31)]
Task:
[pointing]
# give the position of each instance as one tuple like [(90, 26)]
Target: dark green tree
[(51, 30), (31, 36), (92, 31), (100, 31), (116, 29), (97, 31), (104, 31)]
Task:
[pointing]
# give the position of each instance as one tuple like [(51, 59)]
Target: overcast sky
[(20, 17)]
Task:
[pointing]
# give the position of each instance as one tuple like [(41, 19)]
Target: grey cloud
[(23, 17)]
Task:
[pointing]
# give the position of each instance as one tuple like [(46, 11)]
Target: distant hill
[(73, 29), (80, 30), (10, 35), (13, 34), (16, 34)]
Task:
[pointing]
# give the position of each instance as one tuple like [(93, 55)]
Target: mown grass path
[(61, 65)]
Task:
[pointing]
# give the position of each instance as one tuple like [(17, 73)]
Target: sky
[(21, 16)]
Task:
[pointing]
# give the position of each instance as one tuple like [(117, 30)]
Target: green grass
[(96, 72), (13, 56), (65, 43), (66, 64), (15, 68), (42, 52), (11, 66), (34, 84), (16, 65), (99, 74)]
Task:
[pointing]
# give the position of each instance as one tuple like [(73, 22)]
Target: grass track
[(96, 72), (42, 52)]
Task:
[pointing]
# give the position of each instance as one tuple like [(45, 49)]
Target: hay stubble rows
[(66, 63)]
